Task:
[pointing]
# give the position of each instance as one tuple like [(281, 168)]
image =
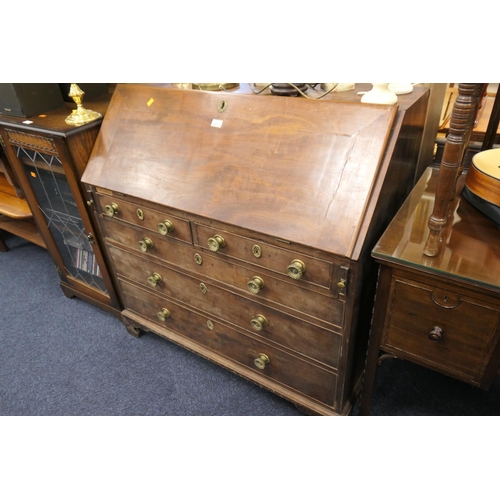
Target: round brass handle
[(216, 243), (165, 227), (258, 322), (111, 209), (255, 285), (436, 334), (296, 269), (154, 279), (145, 244), (261, 361), (163, 314)]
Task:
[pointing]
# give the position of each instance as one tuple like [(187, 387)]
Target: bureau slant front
[(239, 227)]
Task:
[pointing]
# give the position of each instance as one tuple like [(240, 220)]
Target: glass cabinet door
[(50, 185)]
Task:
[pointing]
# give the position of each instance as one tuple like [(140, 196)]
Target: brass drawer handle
[(261, 361), (165, 227), (436, 334), (111, 209), (154, 279), (258, 322), (216, 243), (163, 314), (145, 244), (255, 285), (296, 269)]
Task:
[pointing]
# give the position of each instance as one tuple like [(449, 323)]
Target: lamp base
[(287, 89), (81, 116)]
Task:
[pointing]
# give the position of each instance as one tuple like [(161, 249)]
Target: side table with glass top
[(441, 312)]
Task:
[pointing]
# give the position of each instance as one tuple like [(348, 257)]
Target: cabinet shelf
[(15, 214)]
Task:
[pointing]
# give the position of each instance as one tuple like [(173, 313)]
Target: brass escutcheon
[(216, 243), (145, 244), (261, 361), (258, 322), (210, 325), (163, 314), (203, 288), (154, 279), (255, 285), (222, 106), (140, 214), (198, 259), (111, 209), (165, 227), (296, 269), (257, 251)]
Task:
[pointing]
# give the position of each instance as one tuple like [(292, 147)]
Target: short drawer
[(256, 319), (262, 358), (275, 293), (163, 223), (292, 265), (447, 330)]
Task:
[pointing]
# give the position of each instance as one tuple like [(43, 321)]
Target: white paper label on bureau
[(217, 123)]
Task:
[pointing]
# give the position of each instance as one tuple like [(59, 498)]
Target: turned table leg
[(461, 125)]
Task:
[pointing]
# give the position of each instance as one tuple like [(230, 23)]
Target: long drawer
[(261, 357), (256, 318), (291, 264), (322, 307)]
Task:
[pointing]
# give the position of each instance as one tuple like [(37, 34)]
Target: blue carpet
[(61, 356)]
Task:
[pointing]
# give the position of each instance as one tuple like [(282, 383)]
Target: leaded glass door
[(50, 186)]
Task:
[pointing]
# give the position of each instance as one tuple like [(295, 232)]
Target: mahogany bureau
[(240, 227)]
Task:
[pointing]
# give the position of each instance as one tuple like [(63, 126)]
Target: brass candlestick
[(80, 115)]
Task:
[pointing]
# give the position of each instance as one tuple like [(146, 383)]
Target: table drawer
[(256, 319), (282, 367), (291, 264), (276, 293), (171, 226), (447, 330)]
